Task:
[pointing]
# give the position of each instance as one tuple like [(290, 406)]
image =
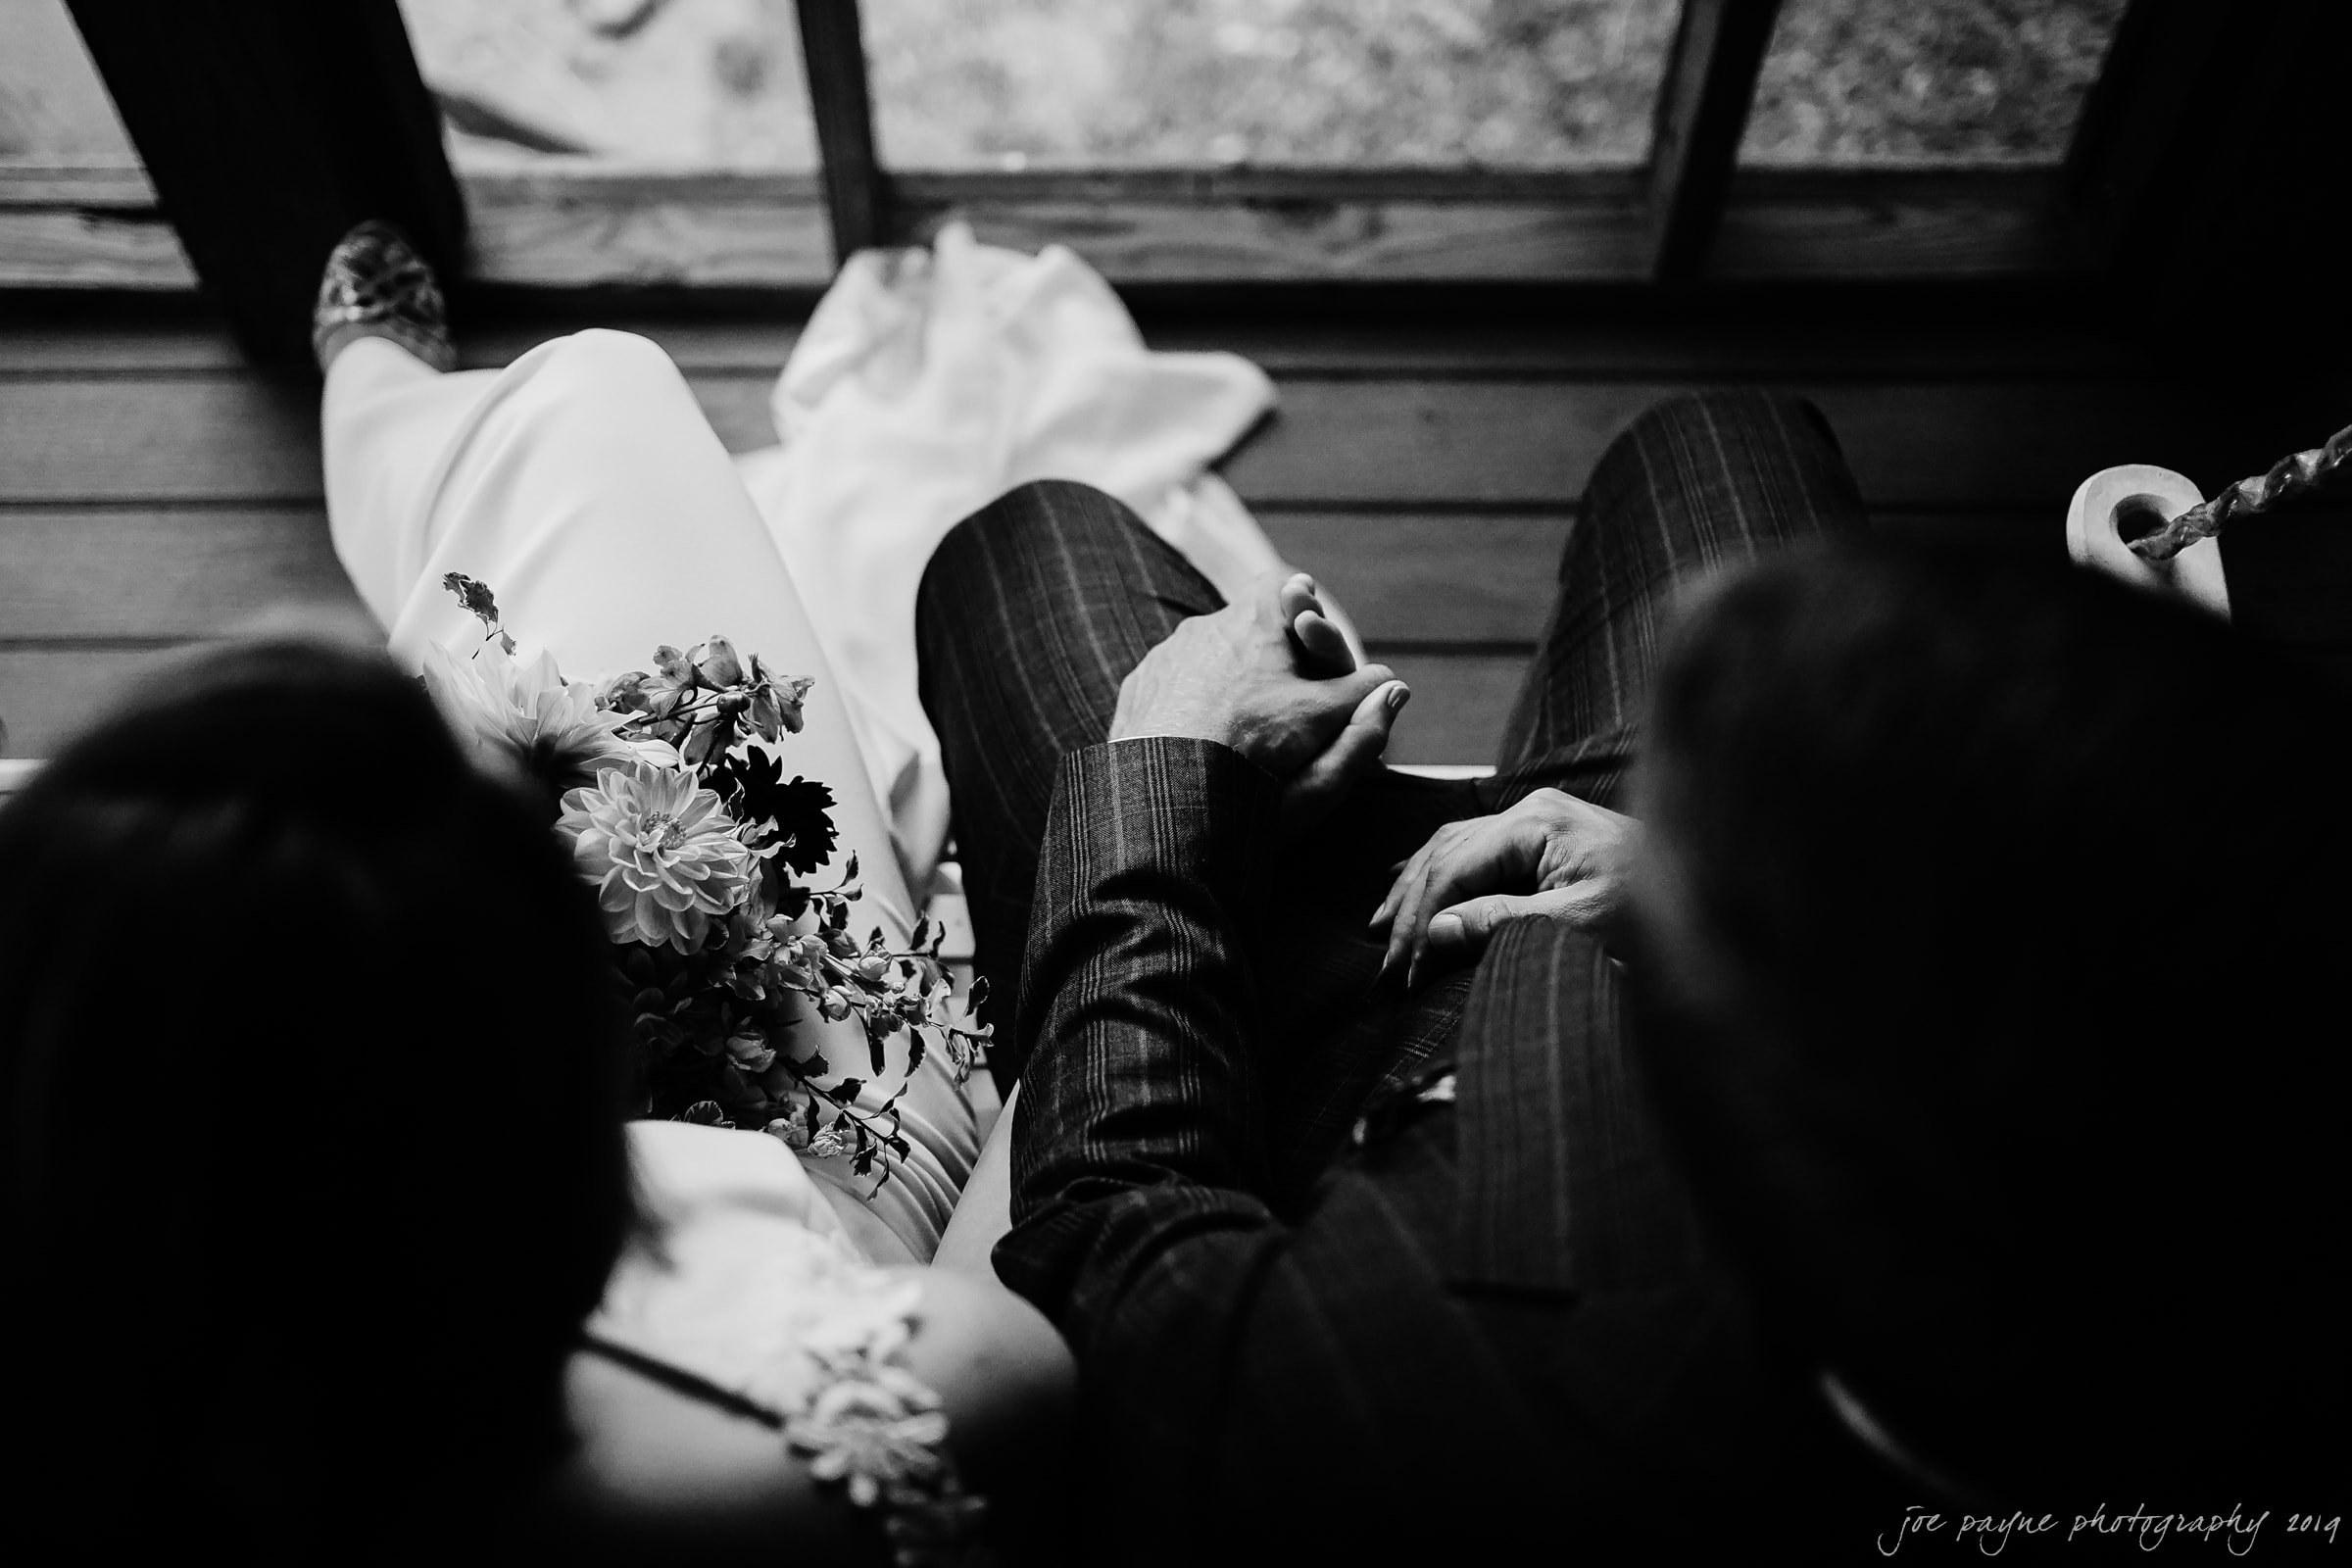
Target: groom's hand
[(1270, 676), (1551, 856)]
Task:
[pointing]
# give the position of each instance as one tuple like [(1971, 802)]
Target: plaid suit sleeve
[(1243, 1371), (1139, 1005), (1138, 1164)]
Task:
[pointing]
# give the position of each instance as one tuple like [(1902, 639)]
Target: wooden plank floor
[(153, 489)]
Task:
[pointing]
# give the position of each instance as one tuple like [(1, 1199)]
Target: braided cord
[(2289, 477)]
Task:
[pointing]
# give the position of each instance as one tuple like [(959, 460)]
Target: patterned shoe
[(376, 280)]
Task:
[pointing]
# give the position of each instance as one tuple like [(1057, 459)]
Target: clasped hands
[(1272, 677)]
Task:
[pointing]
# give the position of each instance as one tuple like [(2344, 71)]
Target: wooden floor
[(153, 489)]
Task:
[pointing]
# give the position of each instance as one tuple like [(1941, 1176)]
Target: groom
[(1354, 1254)]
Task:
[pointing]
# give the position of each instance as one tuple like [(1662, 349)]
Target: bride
[(780, 1356), (584, 484)]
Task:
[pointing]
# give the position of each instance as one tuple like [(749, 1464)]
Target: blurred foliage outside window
[(691, 85), (1540, 83), (648, 83), (1865, 81)]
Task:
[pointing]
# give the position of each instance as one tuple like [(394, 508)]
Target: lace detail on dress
[(809, 1340), (876, 1430)]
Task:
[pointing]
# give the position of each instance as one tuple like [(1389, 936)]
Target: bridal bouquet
[(676, 810)]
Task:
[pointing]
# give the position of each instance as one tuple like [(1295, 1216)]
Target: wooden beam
[(87, 226), (1918, 338), (1892, 224), (98, 228), (856, 193), (1702, 110), (270, 127), (149, 572), (1944, 224), (1338, 443), (665, 231)]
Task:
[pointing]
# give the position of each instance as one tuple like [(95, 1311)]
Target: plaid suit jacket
[(1491, 1320)]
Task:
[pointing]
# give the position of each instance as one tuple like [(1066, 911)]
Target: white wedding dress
[(583, 484)]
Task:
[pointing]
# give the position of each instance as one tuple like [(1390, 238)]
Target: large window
[(1500, 83), (1874, 82), (675, 141), (677, 84)]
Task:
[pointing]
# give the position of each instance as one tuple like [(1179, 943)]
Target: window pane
[(680, 83), (53, 108), (1861, 82), (1005, 83)]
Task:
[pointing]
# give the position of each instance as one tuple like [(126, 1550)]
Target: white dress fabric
[(584, 485), (745, 1274), (744, 1278), (927, 384)]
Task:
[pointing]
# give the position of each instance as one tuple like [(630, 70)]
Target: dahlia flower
[(526, 713), (662, 852)]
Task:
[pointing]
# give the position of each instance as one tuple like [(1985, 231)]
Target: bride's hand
[(1272, 677), (1323, 645), (1320, 647), (1551, 856)]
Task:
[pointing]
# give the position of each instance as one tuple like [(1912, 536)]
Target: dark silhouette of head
[(309, 1092), (1992, 927)]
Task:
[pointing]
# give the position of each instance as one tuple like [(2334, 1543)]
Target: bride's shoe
[(376, 285)]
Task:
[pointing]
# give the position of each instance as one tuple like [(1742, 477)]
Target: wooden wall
[(153, 489)]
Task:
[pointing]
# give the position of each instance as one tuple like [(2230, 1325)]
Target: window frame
[(1688, 216)]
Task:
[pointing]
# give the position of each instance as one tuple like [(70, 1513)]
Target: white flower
[(524, 712), (662, 852), (791, 1131), (751, 1052)]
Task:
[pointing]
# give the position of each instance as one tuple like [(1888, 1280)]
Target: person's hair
[(310, 1093), (2023, 1114)]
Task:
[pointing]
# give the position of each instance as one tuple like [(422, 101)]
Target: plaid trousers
[(1489, 1318), (1035, 609)]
